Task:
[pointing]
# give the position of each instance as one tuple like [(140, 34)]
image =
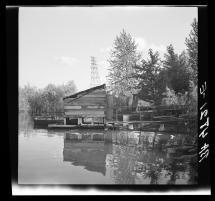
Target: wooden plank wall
[(89, 105)]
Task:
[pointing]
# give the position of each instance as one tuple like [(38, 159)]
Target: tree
[(147, 75), (123, 58), (176, 71), (30, 95), (23, 101), (48, 99), (49, 94), (170, 97), (192, 49), (69, 88), (193, 98)]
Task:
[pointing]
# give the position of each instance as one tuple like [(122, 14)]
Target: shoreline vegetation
[(170, 81)]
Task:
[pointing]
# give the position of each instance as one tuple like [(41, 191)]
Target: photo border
[(12, 109)]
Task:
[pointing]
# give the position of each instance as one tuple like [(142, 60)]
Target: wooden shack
[(86, 107)]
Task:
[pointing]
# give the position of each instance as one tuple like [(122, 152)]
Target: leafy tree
[(176, 71), (147, 75), (23, 101), (29, 93), (192, 49), (48, 99), (170, 98), (69, 88), (192, 98), (53, 95), (123, 57)]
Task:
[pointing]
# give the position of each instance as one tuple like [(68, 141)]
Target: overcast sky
[(56, 43)]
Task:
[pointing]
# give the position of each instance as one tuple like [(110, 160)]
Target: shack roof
[(82, 93)]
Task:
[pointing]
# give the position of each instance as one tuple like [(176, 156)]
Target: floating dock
[(61, 126), (50, 126)]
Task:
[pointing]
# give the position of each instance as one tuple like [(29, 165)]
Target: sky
[(56, 43)]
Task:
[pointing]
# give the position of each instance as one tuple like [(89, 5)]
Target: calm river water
[(49, 157)]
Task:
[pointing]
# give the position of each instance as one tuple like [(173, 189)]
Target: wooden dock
[(53, 126), (108, 123), (61, 126), (150, 121)]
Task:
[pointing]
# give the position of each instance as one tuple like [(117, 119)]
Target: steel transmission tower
[(95, 79)]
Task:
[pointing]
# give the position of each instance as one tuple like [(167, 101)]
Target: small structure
[(86, 107)]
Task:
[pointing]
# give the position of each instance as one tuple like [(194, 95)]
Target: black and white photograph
[(109, 95)]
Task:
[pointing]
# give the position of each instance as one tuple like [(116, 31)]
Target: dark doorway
[(70, 121)]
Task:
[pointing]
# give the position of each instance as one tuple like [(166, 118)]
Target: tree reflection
[(25, 123), (154, 174), (122, 164), (166, 162)]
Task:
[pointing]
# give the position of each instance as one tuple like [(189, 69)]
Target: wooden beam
[(72, 107), (86, 103), (84, 115), (88, 107), (94, 95), (84, 112)]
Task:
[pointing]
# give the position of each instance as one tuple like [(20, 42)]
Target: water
[(49, 157)]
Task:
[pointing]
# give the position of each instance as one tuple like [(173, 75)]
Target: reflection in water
[(25, 124), (134, 157), (130, 166), (144, 158), (91, 155)]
